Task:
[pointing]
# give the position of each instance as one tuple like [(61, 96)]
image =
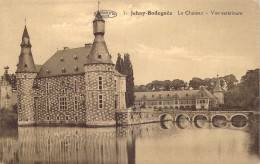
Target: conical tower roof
[(99, 53), (26, 62), (217, 87)]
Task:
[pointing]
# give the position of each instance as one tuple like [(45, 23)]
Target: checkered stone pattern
[(95, 115), (25, 98), (124, 118), (48, 109)]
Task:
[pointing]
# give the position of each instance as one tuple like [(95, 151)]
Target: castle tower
[(218, 91), (25, 75), (99, 78), (6, 91)]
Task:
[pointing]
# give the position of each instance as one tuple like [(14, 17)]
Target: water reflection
[(219, 121), (148, 143)]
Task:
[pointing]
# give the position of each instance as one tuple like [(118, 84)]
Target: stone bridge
[(209, 115), (129, 117)]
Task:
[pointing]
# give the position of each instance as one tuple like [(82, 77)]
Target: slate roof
[(180, 94), (99, 53), (26, 62), (38, 67), (66, 62)]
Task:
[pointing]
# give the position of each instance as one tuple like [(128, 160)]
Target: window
[(67, 117), (100, 83), (47, 88), (100, 101), (63, 103), (75, 102), (160, 102), (99, 56), (176, 102), (152, 95), (58, 118), (75, 86), (115, 85), (48, 118)]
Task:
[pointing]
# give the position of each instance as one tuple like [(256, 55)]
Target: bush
[(8, 116)]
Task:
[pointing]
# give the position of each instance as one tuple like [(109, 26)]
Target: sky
[(160, 47)]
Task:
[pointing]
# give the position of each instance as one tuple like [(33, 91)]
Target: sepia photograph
[(129, 82)]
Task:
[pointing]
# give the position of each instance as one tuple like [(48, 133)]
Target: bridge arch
[(181, 114), (165, 117), (194, 117), (240, 114), (219, 123), (242, 127), (218, 115), (198, 124)]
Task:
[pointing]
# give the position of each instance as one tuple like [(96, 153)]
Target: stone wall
[(96, 116), (47, 100), (39, 99), (129, 117), (25, 99)]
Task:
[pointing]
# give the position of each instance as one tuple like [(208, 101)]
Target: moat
[(165, 142)]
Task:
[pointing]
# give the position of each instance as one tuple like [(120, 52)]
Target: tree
[(249, 89), (119, 63), (195, 83), (230, 80), (177, 84), (128, 71), (209, 83)]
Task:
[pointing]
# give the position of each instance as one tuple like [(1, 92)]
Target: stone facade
[(50, 95), (124, 118), (99, 80), (25, 98), (77, 86), (200, 99)]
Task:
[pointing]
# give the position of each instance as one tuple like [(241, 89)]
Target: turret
[(99, 53), (25, 75), (26, 62), (6, 91), (218, 91), (99, 78)]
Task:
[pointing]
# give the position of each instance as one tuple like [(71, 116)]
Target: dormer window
[(202, 95), (63, 70), (99, 56), (75, 57), (25, 65), (61, 59), (76, 68), (48, 71)]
